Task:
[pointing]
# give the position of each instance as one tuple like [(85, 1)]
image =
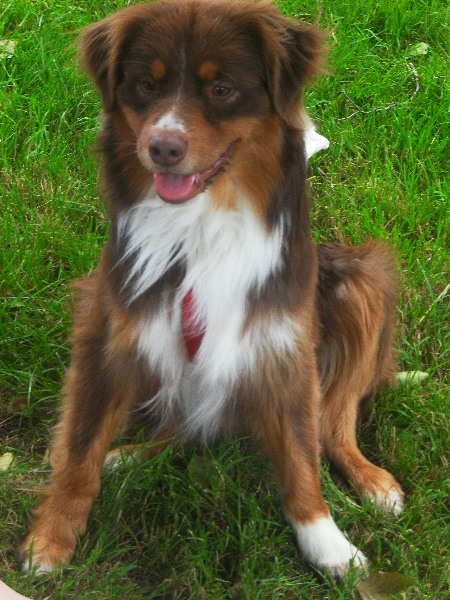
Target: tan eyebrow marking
[(208, 70), (158, 69)]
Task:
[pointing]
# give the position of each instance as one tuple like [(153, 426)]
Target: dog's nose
[(167, 149)]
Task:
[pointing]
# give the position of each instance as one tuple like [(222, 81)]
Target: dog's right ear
[(293, 54), (97, 50), (297, 58)]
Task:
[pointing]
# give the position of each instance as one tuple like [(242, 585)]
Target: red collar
[(193, 329)]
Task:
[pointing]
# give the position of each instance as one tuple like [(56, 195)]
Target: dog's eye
[(146, 85), (221, 91)]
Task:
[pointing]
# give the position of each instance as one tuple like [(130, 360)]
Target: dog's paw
[(348, 558), (37, 567), (325, 547), (391, 500), (115, 458), (384, 491), (38, 556)]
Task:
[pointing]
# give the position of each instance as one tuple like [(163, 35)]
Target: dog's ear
[(97, 50), (294, 54)]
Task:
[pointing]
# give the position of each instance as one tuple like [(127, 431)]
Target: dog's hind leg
[(341, 447), (357, 291)]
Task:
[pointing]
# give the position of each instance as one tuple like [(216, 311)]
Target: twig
[(388, 106), (441, 295)]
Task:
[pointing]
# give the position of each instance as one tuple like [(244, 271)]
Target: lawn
[(207, 523)]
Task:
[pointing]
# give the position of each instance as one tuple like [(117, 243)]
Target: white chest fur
[(226, 254)]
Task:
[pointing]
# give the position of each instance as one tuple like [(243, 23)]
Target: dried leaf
[(418, 49), (411, 377), (46, 458), (382, 586), (6, 461), (200, 469), (18, 404), (7, 47)]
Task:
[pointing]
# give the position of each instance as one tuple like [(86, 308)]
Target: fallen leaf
[(18, 404), (382, 586), (419, 49), (7, 47), (6, 461), (46, 458), (200, 469), (411, 377)]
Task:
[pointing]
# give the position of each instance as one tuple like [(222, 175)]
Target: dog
[(211, 307)]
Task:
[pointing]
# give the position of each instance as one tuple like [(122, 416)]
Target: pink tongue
[(173, 187)]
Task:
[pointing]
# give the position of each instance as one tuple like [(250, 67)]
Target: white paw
[(391, 501), (116, 457), (325, 547), (36, 568), (35, 564)]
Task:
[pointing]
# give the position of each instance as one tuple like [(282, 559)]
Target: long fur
[(204, 176)]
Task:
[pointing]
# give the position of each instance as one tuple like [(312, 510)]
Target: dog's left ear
[(293, 55)]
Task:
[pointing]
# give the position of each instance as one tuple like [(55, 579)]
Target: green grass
[(208, 524)]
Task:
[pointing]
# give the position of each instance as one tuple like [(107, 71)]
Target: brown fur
[(343, 298)]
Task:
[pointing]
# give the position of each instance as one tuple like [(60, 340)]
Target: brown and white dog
[(211, 306)]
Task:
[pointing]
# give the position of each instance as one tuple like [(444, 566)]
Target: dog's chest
[(225, 255), (202, 389)]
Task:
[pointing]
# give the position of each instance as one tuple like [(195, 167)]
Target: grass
[(208, 524)]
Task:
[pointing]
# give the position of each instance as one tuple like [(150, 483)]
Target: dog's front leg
[(88, 423), (98, 391), (288, 429)]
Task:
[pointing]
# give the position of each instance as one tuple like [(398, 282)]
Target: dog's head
[(202, 86)]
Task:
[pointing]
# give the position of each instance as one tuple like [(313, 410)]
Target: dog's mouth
[(176, 187)]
